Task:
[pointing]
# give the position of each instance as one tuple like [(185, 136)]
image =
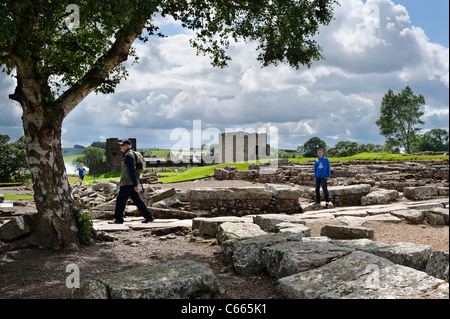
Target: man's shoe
[(148, 220), (316, 204), (115, 222)]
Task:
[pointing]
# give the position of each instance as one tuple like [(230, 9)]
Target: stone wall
[(240, 201), (393, 175), (343, 195)]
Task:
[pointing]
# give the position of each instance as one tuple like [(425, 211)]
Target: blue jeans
[(126, 192), (323, 182)]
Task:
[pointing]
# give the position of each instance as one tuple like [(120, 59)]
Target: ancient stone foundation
[(240, 201)]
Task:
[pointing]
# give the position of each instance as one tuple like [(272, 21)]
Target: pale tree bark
[(42, 122)]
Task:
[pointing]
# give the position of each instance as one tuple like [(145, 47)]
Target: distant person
[(81, 170), (322, 173), (129, 186)]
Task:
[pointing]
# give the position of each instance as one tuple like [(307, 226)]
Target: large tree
[(400, 117), (56, 67)]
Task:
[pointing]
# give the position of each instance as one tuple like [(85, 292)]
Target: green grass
[(17, 197), (161, 153), (198, 172), (202, 172), (91, 178)]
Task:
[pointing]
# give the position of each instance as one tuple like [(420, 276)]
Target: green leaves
[(37, 32), (400, 117)]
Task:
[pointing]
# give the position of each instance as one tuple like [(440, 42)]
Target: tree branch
[(5, 58), (96, 76)]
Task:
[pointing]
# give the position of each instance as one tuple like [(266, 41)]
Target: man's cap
[(125, 142)]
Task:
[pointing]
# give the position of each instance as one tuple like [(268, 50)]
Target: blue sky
[(371, 46), (431, 16)]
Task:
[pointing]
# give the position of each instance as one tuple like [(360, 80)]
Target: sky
[(371, 46)]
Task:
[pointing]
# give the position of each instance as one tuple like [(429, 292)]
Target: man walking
[(129, 186), (322, 173)]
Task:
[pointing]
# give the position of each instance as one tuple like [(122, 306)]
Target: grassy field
[(17, 197), (201, 172)]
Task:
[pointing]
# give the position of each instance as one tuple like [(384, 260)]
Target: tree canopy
[(13, 159), (89, 55), (312, 145), (400, 117)]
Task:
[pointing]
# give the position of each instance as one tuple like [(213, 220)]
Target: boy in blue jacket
[(322, 173)]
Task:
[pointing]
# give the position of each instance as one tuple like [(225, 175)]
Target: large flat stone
[(361, 275), (238, 231), (406, 254), (269, 221), (208, 227), (289, 258), (179, 279), (346, 232), (246, 254)]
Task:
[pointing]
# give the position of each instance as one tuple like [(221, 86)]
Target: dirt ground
[(45, 276)]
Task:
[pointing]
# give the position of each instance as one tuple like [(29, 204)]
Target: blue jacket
[(81, 171), (322, 168)]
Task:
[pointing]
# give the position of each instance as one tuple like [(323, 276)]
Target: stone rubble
[(265, 228)]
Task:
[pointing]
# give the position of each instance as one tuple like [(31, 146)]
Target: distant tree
[(99, 145), (312, 145), (147, 152), (400, 118), (436, 140), (13, 159), (347, 148), (372, 148), (92, 155), (80, 147)]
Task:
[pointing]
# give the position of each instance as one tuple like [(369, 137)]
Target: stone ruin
[(113, 157), (266, 228)]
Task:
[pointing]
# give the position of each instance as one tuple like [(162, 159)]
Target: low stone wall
[(240, 201), (343, 195), (230, 173)]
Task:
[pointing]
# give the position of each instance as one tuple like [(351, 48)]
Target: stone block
[(208, 227), (18, 227), (289, 258), (159, 195), (246, 254), (421, 192), (293, 228), (346, 232), (361, 275), (406, 254), (343, 195), (437, 265), (412, 216), (269, 221), (179, 279), (380, 196), (238, 231)]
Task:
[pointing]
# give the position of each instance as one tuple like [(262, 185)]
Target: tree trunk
[(42, 122), (56, 227)]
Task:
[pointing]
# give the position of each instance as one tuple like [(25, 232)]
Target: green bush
[(84, 223)]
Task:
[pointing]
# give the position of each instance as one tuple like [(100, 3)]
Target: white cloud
[(369, 49)]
